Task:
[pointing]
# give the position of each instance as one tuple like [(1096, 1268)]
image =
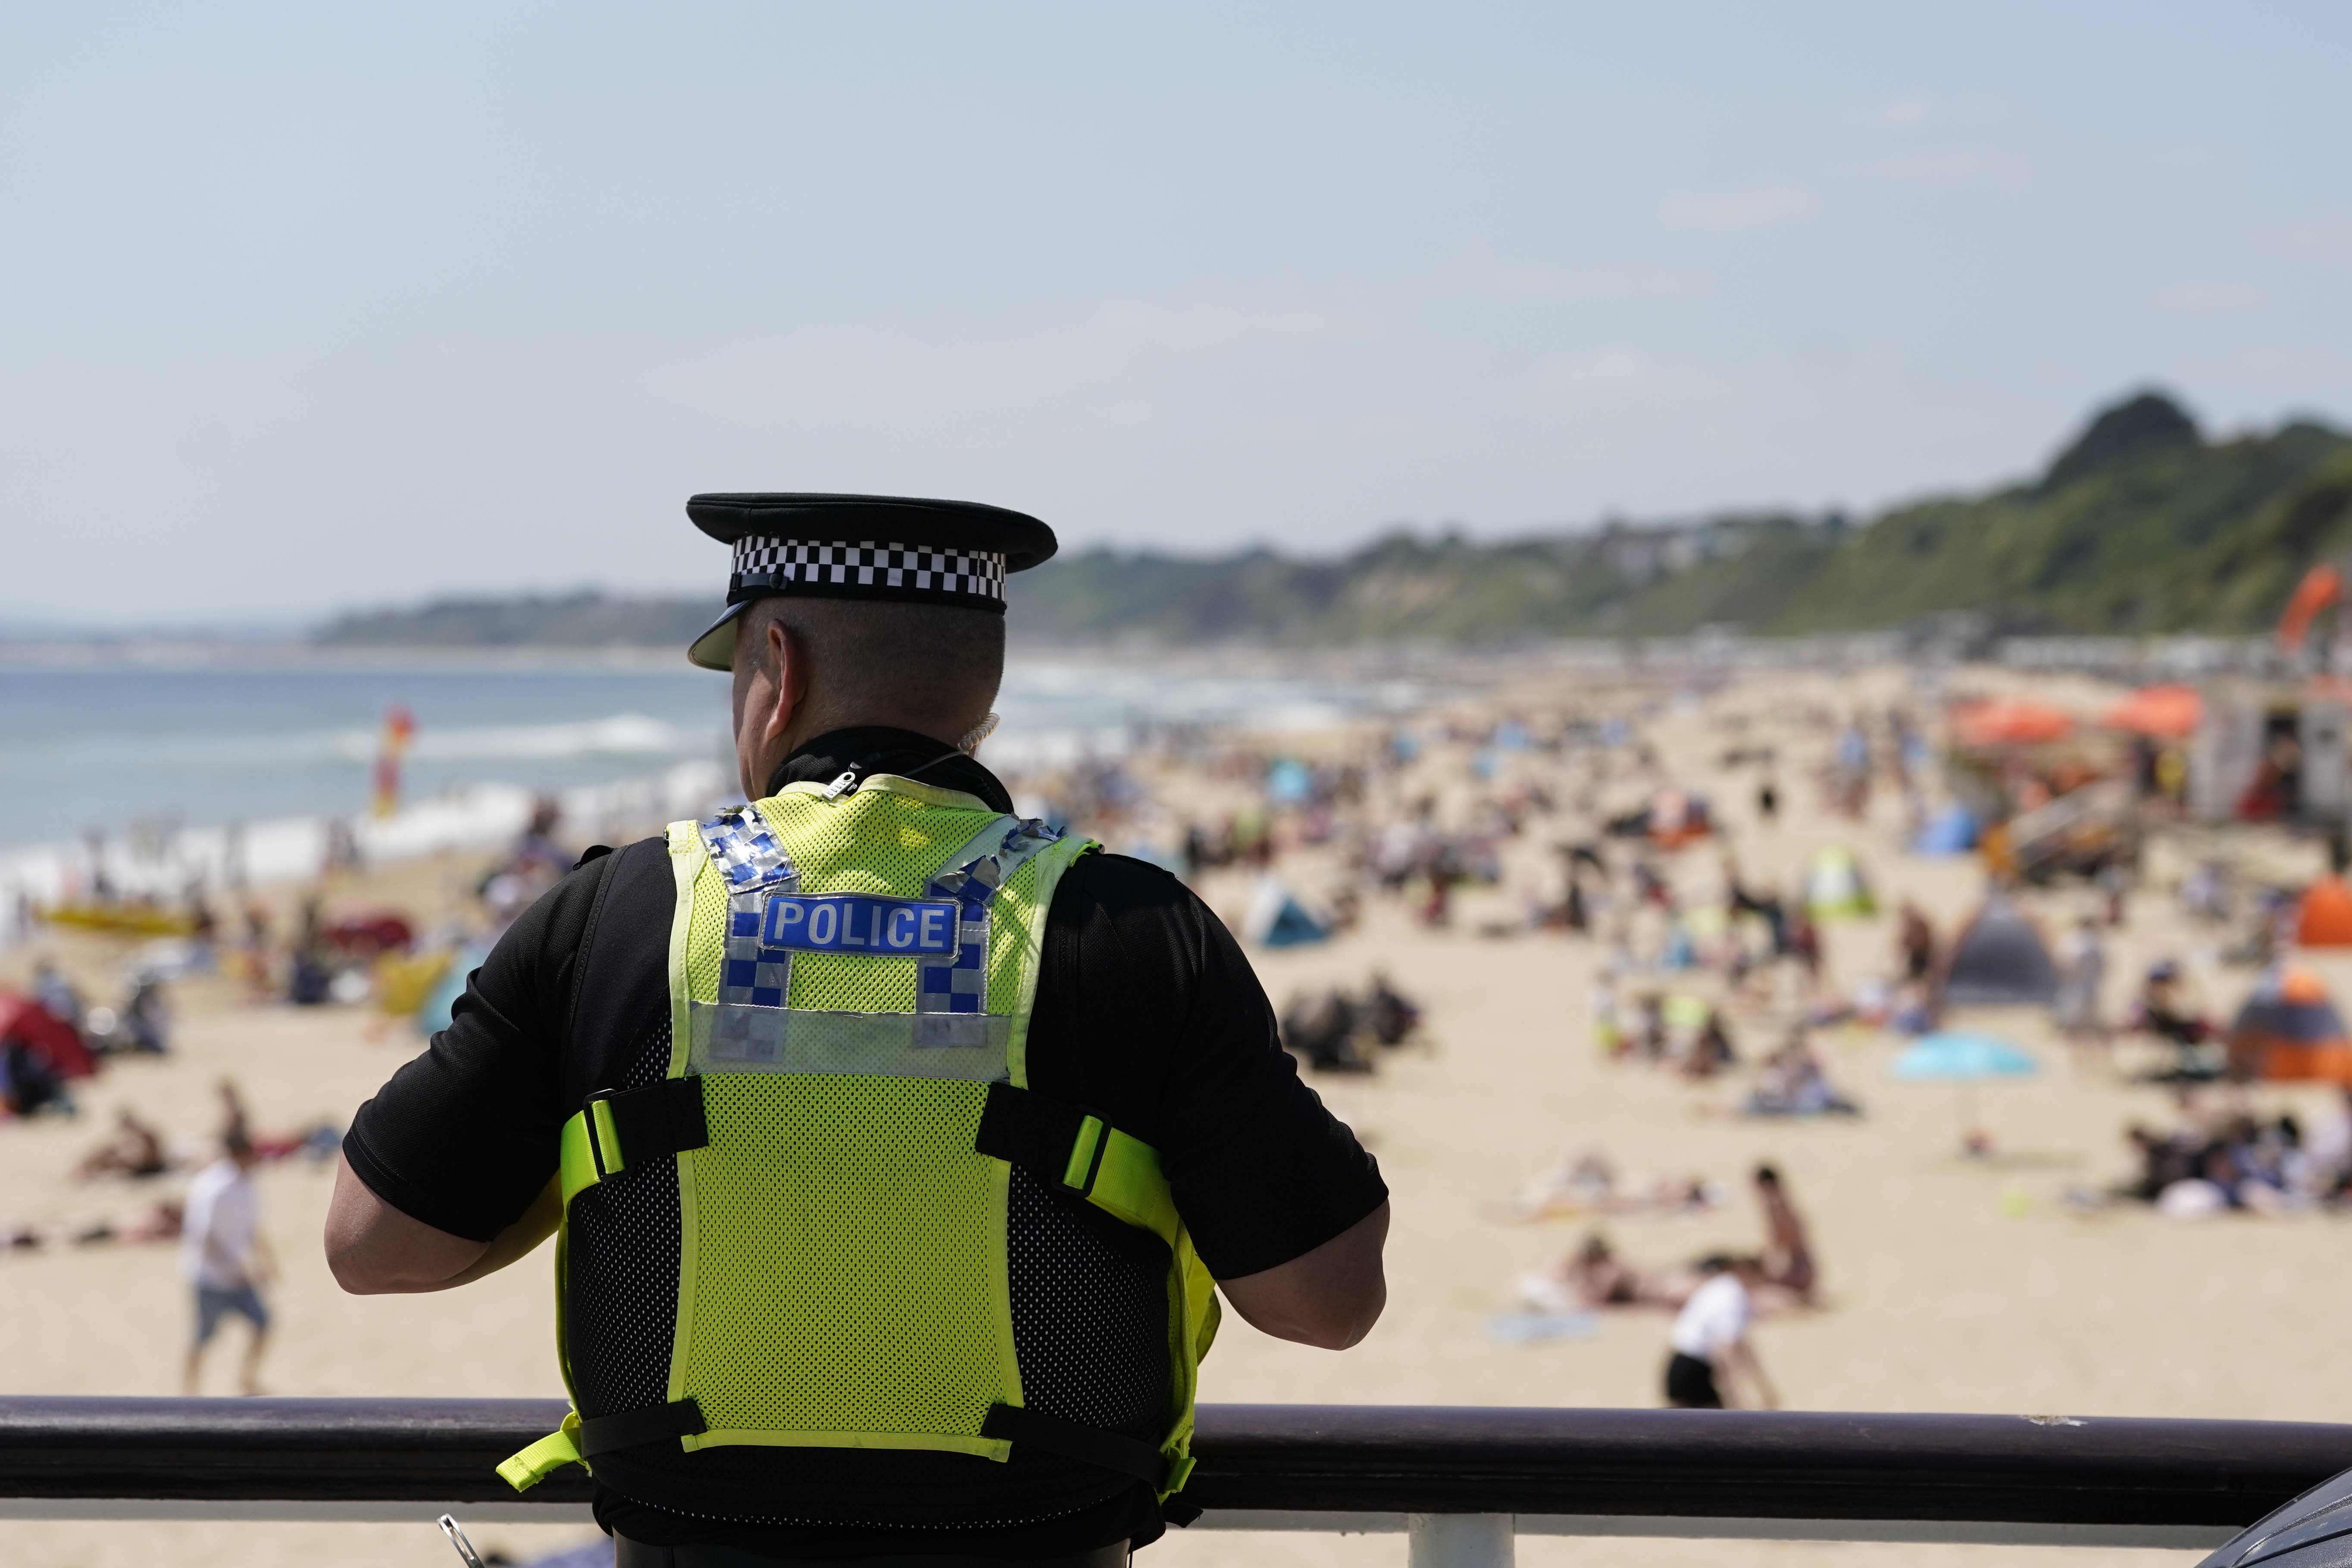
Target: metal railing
[(1461, 1482)]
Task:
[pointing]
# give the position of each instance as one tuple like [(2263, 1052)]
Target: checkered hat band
[(761, 560)]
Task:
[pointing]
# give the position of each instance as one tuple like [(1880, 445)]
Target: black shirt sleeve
[(1148, 1012), (464, 1136)]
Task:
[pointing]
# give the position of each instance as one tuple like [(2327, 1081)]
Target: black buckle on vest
[(665, 1117), (1027, 1128), (630, 1428), (1113, 1451), (1093, 1165)]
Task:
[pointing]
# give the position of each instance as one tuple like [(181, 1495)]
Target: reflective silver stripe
[(972, 876), (752, 863), (731, 1038)]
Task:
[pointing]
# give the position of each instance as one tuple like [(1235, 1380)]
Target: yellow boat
[(120, 920)]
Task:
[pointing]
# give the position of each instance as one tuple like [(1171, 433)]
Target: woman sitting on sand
[(1788, 1260), (135, 1149)]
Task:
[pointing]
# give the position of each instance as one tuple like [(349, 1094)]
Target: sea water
[(209, 764)]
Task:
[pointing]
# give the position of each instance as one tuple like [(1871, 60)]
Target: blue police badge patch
[(860, 922)]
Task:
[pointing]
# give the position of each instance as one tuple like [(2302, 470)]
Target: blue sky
[(310, 307)]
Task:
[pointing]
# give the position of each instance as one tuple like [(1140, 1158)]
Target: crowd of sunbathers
[(2219, 1157)]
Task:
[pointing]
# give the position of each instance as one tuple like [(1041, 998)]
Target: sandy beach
[(1949, 1283)]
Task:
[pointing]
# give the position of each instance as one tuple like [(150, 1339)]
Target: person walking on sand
[(225, 1257), (1709, 1340)]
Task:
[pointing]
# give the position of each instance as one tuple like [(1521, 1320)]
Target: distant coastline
[(2143, 525)]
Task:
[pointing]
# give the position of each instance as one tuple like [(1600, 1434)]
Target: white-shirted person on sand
[(224, 1256), (1710, 1340)]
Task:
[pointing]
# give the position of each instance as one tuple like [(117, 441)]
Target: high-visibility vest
[(852, 968)]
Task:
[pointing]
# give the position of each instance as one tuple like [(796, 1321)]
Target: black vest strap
[(603, 1433), (662, 1119), (1087, 1445), (1027, 1128)]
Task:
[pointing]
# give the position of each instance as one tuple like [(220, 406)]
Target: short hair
[(871, 661), (236, 1144)]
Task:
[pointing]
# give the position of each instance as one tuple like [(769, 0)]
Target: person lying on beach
[(134, 1150), (1593, 1277), (1585, 1183), (150, 1222)]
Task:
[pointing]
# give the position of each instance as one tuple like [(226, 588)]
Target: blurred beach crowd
[(1779, 908)]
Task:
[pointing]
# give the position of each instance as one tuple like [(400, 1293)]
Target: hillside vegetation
[(2140, 525)]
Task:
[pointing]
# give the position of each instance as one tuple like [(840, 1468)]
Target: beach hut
[(2325, 916), (1834, 886), (1277, 919), (2289, 1032), (1999, 960)]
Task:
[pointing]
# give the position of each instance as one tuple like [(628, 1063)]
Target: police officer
[(894, 1143)]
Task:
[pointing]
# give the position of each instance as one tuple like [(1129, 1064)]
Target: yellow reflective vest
[(851, 969)]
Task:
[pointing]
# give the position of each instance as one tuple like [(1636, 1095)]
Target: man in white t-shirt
[(224, 1256), (1710, 1340)]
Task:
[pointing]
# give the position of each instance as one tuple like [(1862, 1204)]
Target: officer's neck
[(887, 749)]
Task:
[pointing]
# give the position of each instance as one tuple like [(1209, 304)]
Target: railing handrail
[(1283, 1459)]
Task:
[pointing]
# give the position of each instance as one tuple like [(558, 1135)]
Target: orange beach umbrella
[(2165, 712), (2009, 721)]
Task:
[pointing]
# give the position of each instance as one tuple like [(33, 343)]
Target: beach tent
[(48, 1036), (440, 994), (1952, 831), (1834, 886), (2289, 1031), (2325, 918), (1999, 960), (2164, 712), (1277, 919)]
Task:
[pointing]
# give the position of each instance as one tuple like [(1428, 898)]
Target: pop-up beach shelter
[(2325, 916), (1834, 886), (2290, 1032), (52, 1038), (2000, 961), (1277, 919)]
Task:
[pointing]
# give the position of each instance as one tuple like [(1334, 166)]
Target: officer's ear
[(788, 663)]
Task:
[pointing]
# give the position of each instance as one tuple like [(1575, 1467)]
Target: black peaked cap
[(727, 516)]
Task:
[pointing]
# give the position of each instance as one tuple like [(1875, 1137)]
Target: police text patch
[(859, 922)]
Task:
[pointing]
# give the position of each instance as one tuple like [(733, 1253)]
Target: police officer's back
[(893, 1140)]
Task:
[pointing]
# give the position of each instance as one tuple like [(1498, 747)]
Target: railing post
[(1460, 1540)]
